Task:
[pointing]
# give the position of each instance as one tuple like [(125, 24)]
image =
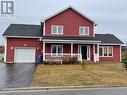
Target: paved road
[(16, 75), (102, 91)]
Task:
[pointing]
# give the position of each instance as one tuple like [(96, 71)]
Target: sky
[(110, 15)]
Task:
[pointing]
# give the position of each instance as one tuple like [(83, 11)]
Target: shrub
[(66, 60), (74, 60), (69, 60)]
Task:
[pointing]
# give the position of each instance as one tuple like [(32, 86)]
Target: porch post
[(71, 50), (94, 53), (98, 51), (43, 51)]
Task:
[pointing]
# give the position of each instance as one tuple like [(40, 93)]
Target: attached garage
[(24, 55)]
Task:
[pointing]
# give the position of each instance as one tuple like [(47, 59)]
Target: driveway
[(16, 75)]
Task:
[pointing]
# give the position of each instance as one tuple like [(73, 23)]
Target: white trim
[(107, 51), (85, 31), (94, 52), (53, 41), (57, 33), (44, 28), (109, 44), (98, 51), (88, 49), (22, 37), (71, 49), (24, 48), (120, 54), (5, 50), (66, 9), (56, 54), (43, 51)]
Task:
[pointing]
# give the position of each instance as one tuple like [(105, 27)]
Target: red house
[(66, 33)]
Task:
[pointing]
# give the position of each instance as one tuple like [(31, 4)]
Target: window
[(57, 50), (110, 51), (100, 52), (105, 51), (57, 29), (84, 30)]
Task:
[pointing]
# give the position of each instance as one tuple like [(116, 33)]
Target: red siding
[(18, 42), (71, 22), (116, 55)]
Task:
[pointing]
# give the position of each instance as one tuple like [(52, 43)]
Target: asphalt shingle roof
[(23, 30), (36, 31), (108, 38)]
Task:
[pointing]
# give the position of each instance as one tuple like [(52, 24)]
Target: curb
[(59, 87)]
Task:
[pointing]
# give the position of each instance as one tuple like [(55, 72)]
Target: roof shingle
[(23, 30), (108, 38)]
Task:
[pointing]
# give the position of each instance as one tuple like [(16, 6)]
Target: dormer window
[(83, 30), (57, 29)]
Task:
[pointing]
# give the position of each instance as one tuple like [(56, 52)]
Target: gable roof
[(23, 30), (69, 7), (108, 38)]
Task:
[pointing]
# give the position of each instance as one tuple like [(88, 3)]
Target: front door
[(84, 52)]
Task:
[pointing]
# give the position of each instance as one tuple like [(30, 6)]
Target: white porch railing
[(51, 57)]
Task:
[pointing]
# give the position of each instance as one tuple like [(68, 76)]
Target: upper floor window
[(105, 51), (83, 30), (57, 29)]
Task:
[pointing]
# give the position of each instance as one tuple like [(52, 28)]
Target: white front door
[(24, 55), (84, 51)]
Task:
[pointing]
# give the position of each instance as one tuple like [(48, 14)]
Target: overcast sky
[(110, 15)]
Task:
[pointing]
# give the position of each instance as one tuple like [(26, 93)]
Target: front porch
[(58, 50)]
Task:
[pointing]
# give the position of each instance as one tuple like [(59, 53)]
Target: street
[(85, 91)]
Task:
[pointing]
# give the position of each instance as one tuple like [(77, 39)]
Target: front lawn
[(73, 75)]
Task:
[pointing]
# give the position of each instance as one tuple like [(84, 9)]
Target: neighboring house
[(66, 33), (1, 53)]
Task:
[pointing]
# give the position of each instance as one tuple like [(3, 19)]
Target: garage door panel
[(26, 55)]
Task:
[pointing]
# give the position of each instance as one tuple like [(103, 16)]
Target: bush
[(124, 61), (69, 60)]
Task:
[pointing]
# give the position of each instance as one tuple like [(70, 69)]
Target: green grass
[(73, 75)]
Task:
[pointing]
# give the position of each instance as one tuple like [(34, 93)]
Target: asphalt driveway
[(16, 75)]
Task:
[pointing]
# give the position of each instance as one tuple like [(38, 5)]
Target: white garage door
[(24, 55)]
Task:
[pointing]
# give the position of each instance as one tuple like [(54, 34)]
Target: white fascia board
[(68, 41), (109, 44)]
